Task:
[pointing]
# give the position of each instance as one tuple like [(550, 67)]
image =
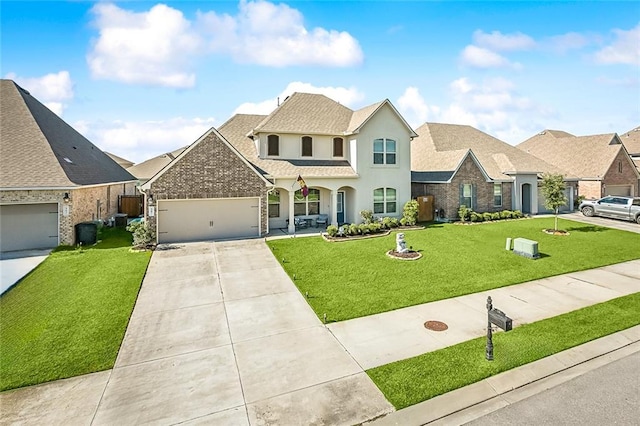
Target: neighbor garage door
[(209, 219), (563, 208), (28, 226), (624, 190)]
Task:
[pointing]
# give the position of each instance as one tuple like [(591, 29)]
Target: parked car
[(616, 207)]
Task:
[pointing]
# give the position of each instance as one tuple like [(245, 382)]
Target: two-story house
[(243, 179)]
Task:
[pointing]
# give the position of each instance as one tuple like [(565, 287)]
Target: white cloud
[(479, 57), (499, 42), (625, 49), (154, 47), (274, 35), (51, 89), (414, 109), (346, 96), (493, 106), (569, 41), (138, 141)]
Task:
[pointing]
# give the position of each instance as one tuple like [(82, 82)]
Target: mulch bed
[(407, 255), (379, 234), (555, 232)]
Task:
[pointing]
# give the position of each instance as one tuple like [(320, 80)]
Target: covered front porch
[(289, 210)]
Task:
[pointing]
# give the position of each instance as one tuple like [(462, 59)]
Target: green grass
[(417, 379), (355, 278), (69, 315)]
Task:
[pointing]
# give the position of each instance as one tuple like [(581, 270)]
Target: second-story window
[(338, 147), (307, 146), (384, 151), (273, 145)]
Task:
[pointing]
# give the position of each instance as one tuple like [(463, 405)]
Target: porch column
[(334, 207), (292, 224)]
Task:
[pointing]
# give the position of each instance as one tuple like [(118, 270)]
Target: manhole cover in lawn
[(435, 326)]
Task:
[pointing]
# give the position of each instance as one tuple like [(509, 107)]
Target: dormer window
[(307, 146), (384, 151), (273, 145), (338, 147)]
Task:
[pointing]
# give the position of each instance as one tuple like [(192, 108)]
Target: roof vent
[(542, 133), (67, 160)]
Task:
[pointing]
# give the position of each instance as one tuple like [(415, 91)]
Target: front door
[(526, 198), (340, 207)]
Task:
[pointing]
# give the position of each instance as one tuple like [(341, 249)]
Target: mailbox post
[(499, 318)]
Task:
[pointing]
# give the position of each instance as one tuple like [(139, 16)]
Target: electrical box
[(526, 248)]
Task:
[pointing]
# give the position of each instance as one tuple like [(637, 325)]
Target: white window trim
[(501, 194), (384, 153), (306, 203), (385, 200)]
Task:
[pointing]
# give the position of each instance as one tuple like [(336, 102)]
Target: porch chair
[(322, 219)]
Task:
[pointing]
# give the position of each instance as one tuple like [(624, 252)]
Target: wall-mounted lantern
[(66, 198)]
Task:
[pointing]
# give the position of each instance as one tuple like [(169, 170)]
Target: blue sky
[(142, 78)]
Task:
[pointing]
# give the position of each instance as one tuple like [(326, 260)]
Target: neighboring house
[(601, 162), (51, 177), (631, 142), (147, 169), (350, 160), (460, 165), (122, 162)]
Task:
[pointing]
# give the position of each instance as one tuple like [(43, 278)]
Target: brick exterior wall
[(210, 170), (626, 177), (82, 206), (590, 189), (447, 195)]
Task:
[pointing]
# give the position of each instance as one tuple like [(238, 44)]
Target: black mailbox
[(499, 318)]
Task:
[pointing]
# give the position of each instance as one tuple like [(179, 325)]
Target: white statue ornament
[(401, 245)]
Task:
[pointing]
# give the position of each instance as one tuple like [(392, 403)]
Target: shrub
[(464, 212), (476, 217), (367, 216), (487, 216), (354, 229), (495, 216), (375, 227), (517, 214), (364, 228), (143, 235), (393, 222), (332, 230), (410, 213), (578, 201), (505, 214), (386, 222)]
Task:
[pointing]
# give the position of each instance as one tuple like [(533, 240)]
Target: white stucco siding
[(385, 124), (291, 146)]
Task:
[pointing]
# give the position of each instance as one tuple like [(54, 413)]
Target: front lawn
[(69, 315), (417, 379), (355, 278)]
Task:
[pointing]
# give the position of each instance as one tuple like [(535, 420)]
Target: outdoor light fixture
[(150, 199), (66, 197)]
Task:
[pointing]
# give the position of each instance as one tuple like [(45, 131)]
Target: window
[(338, 147), (619, 166), (384, 200), (384, 151), (274, 204), (468, 195), (497, 194), (307, 146), (273, 142), (306, 206)]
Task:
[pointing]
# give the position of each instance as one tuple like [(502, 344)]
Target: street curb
[(475, 400)]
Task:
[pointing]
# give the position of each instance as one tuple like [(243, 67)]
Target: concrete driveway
[(622, 225), (16, 264), (219, 335)]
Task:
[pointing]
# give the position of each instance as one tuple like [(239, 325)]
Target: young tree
[(553, 188)]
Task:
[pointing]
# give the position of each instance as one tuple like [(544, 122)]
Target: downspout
[(269, 191)]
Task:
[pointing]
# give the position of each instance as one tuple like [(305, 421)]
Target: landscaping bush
[(495, 216), (505, 214), (410, 213), (367, 216), (578, 201), (487, 216), (476, 217), (354, 229), (517, 214), (393, 222), (375, 227), (386, 222), (143, 235), (364, 228), (464, 212), (332, 230)]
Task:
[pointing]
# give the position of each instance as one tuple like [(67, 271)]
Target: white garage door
[(209, 219), (28, 226), (624, 190)]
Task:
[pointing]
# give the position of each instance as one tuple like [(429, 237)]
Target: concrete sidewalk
[(391, 336)]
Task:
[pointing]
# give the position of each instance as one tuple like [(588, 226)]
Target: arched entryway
[(526, 198)]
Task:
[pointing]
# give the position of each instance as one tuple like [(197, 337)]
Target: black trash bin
[(121, 220), (86, 233)]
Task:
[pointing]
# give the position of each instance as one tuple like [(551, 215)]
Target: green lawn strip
[(355, 278), (69, 315), (417, 379)]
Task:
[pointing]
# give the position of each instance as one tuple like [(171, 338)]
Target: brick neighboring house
[(460, 165), (601, 162), (631, 142), (208, 191), (51, 177), (148, 168)]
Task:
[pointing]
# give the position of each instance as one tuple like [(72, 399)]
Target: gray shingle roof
[(441, 147), (147, 169), (424, 177), (583, 156), (40, 150)]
